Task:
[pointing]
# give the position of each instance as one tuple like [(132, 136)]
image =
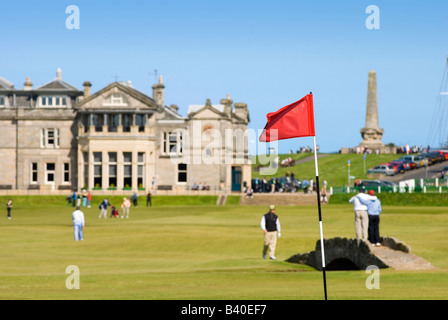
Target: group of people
[(200, 186), (304, 149), (76, 199), (277, 186), (125, 206), (367, 209), (287, 162), (79, 219)]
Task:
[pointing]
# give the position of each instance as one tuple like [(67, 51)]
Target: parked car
[(444, 153), (388, 183), (377, 183), (383, 168), (444, 172), (398, 166), (412, 164), (283, 185), (423, 161), (433, 157), (408, 165), (416, 160)]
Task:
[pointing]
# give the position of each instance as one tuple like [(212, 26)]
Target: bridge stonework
[(352, 254)]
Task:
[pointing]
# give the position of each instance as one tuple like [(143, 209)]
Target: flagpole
[(320, 218)]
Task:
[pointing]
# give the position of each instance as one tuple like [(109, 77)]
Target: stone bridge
[(351, 254)]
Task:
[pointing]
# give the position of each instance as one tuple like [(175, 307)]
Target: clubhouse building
[(58, 139)]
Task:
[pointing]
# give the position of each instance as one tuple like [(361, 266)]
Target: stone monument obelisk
[(371, 133)]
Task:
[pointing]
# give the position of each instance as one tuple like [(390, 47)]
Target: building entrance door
[(236, 179)]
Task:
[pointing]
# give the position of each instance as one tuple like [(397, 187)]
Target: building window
[(141, 170), (140, 121), (97, 120), (85, 122), (66, 172), (182, 173), (86, 168), (34, 175), (97, 169), (115, 99), (53, 101), (114, 121), (112, 169), (50, 138), (172, 142), (50, 169), (2, 101), (164, 143), (126, 123), (127, 169)]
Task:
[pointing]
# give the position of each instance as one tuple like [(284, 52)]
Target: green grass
[(204, 252), (59, 201), (333, 167), (401, 199)]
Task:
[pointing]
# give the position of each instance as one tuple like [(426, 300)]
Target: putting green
[(206, 252)]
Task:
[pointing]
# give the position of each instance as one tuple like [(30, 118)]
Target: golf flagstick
[(320, 219), (293, 121)]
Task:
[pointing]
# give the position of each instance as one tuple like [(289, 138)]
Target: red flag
[(294, 120)]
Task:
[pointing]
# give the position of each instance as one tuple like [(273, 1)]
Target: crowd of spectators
[(288, 183)]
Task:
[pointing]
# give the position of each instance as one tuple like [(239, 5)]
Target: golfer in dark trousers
[(270, 224), (8, 208), (373, 211)]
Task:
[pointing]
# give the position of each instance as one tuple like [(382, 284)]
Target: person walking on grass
[(270, 224), (78, 224), (148, 199), (89, 199), (125, 206), (8, 209), (103, 207)]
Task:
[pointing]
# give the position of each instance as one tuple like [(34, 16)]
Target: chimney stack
[(87, 89), (157, 92), (28, 85), (59, 74), (227, 105), (241, 111)]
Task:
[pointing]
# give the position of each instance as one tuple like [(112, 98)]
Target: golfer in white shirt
[(78, 223), (361, 217)]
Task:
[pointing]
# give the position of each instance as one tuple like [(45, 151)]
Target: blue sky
[(264, 53)]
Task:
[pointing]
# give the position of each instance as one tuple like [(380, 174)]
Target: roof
[(57, 84), (192, 108), (5, 84), (126, 88)]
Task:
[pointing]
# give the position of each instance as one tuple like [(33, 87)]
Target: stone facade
[(57, 138), (354, 254)]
